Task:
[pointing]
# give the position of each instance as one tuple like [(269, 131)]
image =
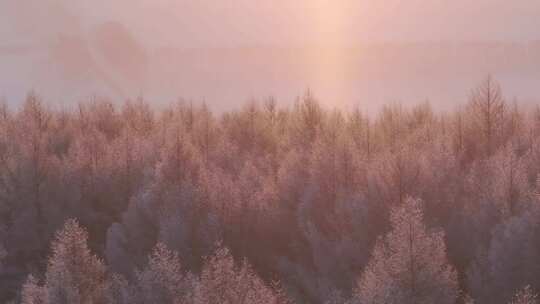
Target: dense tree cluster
[(303, 204)]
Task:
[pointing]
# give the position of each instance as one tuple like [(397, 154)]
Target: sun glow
[(329, 66)]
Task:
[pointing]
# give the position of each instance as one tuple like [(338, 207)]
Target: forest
[(104, 202)]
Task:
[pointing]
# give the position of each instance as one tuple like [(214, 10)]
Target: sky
[(50, 45), (219, 23)]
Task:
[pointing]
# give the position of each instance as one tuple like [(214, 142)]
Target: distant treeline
[(270, 204)]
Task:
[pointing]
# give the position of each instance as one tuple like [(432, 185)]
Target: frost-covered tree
[(320, 183), (27, 170), (398, 175), (308, 119), (162, 280), (409, 264), (74, 274), (510, 188), (3, 251), (525, 296), (119, 291), (392, 125), (358, 127), (487, 107), (224, 282), (467, 299), (129, 241), (506, 265), (32, 293)]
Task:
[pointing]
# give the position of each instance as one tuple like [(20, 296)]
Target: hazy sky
[(197, 23), (50, 46)]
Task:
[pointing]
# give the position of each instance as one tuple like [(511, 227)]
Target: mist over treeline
[(110, 61), (106, 203)]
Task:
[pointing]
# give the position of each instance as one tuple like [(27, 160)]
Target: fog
[(226, 52)]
